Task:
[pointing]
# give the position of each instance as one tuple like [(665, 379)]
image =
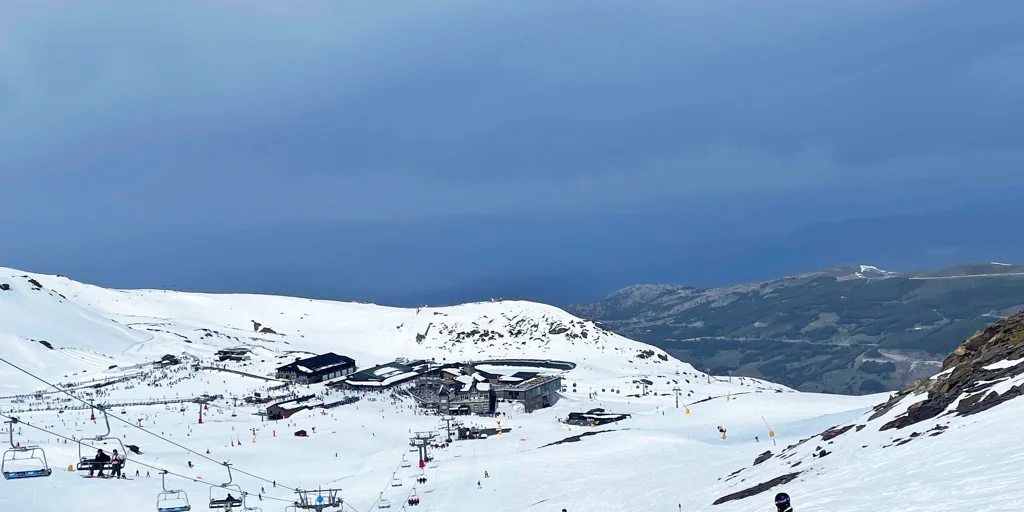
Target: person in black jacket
[(99, 461), (782, 502)]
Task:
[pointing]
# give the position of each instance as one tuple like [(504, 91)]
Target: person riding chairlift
[(117, 462), (98, 462)]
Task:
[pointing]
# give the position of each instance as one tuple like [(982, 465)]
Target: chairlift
[(383, 502), (395, 482), (247, 508), (318, 499), (221, 497), (171, 500), (88, 463), (21, 456), (406, 464)]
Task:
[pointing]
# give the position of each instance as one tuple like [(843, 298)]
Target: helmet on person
[(781, 500)]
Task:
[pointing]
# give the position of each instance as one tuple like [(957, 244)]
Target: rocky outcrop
[(968, 375), (985, 371), (577, 438), (757, 489), (835, 432)]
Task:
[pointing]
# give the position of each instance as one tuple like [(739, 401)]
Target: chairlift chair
[(13, 465), (246, 507), (318, 499), (171, 500), (395, 482), (87, 463), (221, 496), (383, 502)]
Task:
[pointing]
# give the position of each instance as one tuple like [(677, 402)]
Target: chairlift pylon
[(11, 460), (171, 500)]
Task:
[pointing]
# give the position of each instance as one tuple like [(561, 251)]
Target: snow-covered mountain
[(53, 319), (852, 329), (663, 457), (946, 443)]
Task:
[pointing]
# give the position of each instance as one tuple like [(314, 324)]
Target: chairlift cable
[(199, 454), (41, 429)]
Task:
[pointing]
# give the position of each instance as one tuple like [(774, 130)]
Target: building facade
[(317, 368), (536, 393)]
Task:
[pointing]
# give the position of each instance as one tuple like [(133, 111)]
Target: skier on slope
[(782, 502)]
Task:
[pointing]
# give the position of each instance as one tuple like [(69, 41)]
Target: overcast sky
[(218, 113)]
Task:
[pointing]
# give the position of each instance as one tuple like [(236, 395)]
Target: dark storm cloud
[(346, 109)]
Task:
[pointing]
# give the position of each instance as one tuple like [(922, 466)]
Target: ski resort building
[(594, 417), (387, 375), (317, 368), (470, 396), (282, 410), (464, 389), (537, 392), (233, 354)]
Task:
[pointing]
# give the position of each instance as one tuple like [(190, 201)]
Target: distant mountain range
[(853, 329)]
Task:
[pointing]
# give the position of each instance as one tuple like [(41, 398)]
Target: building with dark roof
[(233, 354), (387, 375), (537, 392), (471, 397), (317, 368)]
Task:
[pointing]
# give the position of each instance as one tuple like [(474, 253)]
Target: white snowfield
[(662, 458)]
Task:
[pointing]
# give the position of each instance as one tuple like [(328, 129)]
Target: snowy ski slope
[(660, 458)]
